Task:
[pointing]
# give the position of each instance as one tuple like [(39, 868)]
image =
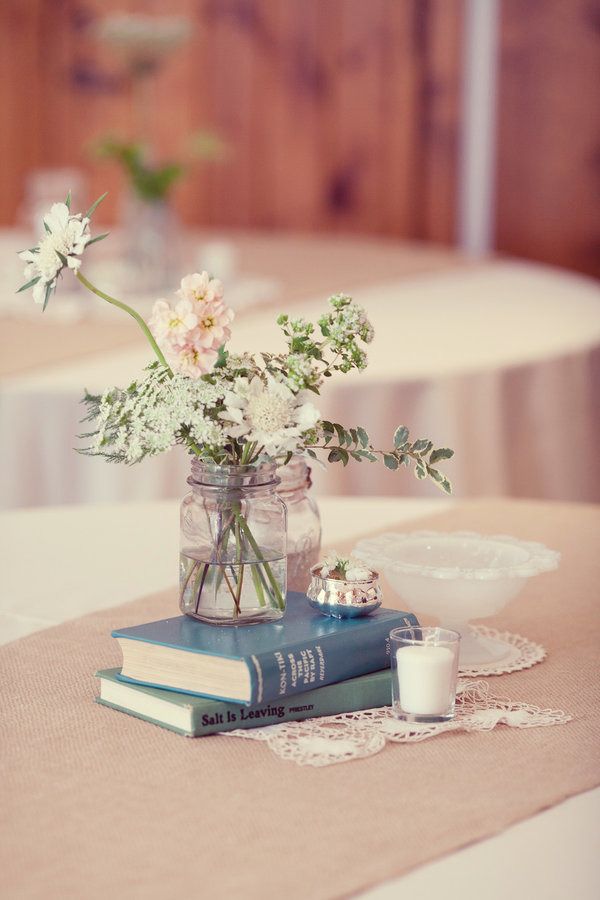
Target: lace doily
[(341, 738), (521, 653)]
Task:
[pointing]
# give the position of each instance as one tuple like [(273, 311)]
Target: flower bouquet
[(238, 415)]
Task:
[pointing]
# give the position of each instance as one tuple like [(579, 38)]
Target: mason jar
[(233, 565), (303, 523)]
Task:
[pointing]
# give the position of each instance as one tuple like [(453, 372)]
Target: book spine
[(283, 673), (368, 692)]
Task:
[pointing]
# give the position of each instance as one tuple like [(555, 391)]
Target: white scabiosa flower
[(61, 247), (268, 413)]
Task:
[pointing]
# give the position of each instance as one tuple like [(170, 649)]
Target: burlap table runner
[(97, 804)]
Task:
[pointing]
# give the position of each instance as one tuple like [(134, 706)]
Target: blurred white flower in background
[(143, 40)]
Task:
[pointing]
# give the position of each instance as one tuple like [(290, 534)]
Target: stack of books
[(199, 679)]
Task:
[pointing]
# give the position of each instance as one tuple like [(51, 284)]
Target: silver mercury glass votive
[(343, 599)]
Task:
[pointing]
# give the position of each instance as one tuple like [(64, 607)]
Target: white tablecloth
[(88, 558), (499, 362)]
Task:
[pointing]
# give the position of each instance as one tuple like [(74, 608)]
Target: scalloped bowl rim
[(378, 551)]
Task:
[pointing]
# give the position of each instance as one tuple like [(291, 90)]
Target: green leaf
[(401, 436), (340, 433), (288, 456), (404, 460), (355, 454), (96, 239), (338, 455), (62, 258), (47, 227), (435, 474), (420, 470), (68, 201), (366, 454), (390, 461), (446, 486), (25, 287), (221, 357), (327, 426), (420, 445), (442, 453), (363, 437), (95, 205), (47, 295), (311, 453)]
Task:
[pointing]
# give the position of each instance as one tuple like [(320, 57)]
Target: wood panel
[(548, 204), (340, 114)]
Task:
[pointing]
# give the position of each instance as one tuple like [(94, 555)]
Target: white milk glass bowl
[(458, 576)]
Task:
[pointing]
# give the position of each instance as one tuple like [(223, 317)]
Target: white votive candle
[(425, 679)]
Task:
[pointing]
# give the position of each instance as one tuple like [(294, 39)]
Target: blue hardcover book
[(258, 663)]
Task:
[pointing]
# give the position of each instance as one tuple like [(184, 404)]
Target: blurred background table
[(263, 268), (464, 354)]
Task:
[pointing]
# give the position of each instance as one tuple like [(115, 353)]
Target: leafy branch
[(354, 443)]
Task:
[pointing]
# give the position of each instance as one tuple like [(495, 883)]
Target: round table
[(498, 360)]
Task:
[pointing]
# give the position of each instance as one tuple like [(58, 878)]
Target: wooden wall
[(340, 113), (548, 188)]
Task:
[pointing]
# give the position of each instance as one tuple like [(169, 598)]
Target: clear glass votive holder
[(424, 673)]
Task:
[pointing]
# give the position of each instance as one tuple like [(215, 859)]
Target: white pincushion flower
[(61, 247), (268, 413)]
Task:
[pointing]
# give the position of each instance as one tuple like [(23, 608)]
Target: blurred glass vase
[(152, 243), (303, 522)]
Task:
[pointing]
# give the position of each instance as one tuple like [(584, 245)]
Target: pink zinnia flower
[(213, 326), (169, 323), (201, 288), (191, 333), (191, 360)]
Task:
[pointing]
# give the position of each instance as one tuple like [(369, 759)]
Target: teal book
[(257, 664), (199, 716)]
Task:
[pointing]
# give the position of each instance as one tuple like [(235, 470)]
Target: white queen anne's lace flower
[(268, 413), (65, 240)]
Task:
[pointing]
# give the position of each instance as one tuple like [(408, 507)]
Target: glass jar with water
[(233, 568)]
